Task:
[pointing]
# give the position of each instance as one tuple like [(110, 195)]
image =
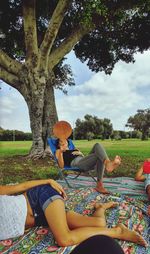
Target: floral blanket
[(131, 212)]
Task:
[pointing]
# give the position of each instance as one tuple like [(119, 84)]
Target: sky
[(116, 97)]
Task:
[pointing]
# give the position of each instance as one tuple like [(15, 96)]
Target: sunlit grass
[(124, 147), (11, 148), (15, 168)]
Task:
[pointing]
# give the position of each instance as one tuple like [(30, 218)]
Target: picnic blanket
[(131, 212), (123, 185)]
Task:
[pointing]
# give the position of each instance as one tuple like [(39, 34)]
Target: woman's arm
[(59, 156), (139, 175), (22, 187)]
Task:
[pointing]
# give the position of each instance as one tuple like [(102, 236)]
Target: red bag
[(146, 167)]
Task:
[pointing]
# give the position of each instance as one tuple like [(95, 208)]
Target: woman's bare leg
[(102, 207), (57, 220), (76, 220)]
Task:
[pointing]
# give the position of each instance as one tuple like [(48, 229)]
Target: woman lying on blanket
[(42, 203), (143, 174), (97, 158)]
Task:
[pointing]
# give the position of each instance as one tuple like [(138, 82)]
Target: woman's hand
[(57, 187), (77, 153), (63, 144)]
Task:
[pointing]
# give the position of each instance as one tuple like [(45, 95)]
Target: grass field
[(15, 166)]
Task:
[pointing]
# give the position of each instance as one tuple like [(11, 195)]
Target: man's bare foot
[(111, 165), (107, 205), (123, 233)]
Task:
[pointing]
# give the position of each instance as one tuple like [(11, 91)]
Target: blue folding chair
[(52, 142)]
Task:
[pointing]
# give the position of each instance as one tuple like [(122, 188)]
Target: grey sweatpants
[(95, 159)]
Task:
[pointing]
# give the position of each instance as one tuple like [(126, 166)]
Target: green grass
[(132, 147), (11, 148), (16, 167)]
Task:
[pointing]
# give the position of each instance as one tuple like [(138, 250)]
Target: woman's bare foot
[(100, 188), (123, 233), (107, 205), (111, 165)]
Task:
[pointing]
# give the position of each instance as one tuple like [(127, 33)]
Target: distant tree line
[(118, 135), (94, 128), (14, 135), (91, 127)]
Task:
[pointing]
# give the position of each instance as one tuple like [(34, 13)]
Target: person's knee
[(65, 240), (97, 145)]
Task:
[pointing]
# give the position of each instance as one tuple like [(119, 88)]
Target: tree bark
[(50, 116), (35, 105), (42, 112)]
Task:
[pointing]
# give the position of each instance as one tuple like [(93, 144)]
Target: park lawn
[(11, 148), (16, 167)]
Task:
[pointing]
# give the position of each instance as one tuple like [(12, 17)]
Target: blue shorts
[(147, 180), (39, 198)]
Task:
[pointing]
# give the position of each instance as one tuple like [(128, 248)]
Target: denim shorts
[(147, 180), (39, 198)]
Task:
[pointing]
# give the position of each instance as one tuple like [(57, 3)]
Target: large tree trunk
[(43, 115), (50, 116), (36, 112)]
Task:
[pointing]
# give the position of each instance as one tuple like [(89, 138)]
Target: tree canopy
[(93, 127), (141, 122), (107, 30)]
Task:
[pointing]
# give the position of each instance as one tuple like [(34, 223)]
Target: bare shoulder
[(4, 189), (8, 189)]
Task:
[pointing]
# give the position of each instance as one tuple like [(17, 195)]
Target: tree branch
[(30, 30), (67, 45), (9, 78), (53, 28), (9, 64)]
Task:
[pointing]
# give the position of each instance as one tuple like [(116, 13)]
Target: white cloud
[(115, 97), (7, 105)]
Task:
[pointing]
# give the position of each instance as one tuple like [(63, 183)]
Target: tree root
[(35, 155)]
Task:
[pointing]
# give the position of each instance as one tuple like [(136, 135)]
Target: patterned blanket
[(123, 185), (131, 212)]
